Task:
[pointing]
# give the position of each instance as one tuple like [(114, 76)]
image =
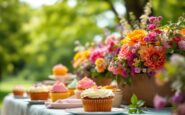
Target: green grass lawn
[(7, 85)]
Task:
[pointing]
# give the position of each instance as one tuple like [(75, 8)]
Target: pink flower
[(110, 39), (151, 26), (177, 39), (181, 44), (137, 70), (151, 37), (166, 45), (151, 19), (125, 52), (117, 69), (159, 102), (158, 31), (110, 43), (97, 53), (159, 18)]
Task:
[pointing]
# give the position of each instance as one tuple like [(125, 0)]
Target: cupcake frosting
[(85, 83), (73, 84), (39, 88), (97, 93), (59, 87), (18, 88), (59, 70)]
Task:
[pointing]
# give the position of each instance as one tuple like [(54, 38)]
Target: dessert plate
[(36, 101), (65, 103), (80, 111), (65, 78), (20, 97)]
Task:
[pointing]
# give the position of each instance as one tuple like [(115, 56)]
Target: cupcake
[(59, 70), (97, 100), (72, 86), (83, 84), (18, 91), (59, 91), (39, 92)]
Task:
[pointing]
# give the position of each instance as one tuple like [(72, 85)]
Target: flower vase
[(102, 81), (145, 89)]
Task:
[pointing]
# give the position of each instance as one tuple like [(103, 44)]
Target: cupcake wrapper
[(97, 105), (39, 96), (57, 96), (18, 93)]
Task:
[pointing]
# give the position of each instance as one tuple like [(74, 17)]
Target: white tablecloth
[(12, 106)]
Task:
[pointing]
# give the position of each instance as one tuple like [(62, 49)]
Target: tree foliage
[(32, 41), (11, 36), (53, 30)]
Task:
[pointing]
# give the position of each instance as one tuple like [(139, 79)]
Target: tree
[(11, 36), (53, 30)]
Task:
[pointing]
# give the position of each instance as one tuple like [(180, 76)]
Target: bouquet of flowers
[(145, 51), (93, 60)]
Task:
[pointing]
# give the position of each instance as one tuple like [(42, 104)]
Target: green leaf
[(132, 106), (136, 105), (134, 99), (140, 103)]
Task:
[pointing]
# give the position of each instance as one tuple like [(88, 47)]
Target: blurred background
[(35, 35)]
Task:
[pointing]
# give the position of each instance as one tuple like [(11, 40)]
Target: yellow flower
[(136, 62), (80, 57), (100, 65), (135, 37), (157, 43), (158, 79)]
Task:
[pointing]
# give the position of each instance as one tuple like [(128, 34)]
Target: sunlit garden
[(92, 57)]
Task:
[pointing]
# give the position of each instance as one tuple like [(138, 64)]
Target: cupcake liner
[(97, 105), (71, 91), (39, 95), (56, 96), (18, 93)]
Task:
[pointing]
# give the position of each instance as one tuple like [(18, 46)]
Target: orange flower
[(182, 31), (153, 57), (100, 65), (135, 37)]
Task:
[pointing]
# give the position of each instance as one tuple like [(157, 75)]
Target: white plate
[(80, 111), (36, 101), (65, 78), (21, 97)]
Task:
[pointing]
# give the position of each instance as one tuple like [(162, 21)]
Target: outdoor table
[(13, 106)]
